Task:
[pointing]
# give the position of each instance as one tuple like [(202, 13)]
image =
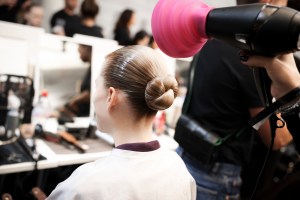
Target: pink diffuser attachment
[(178, 26)]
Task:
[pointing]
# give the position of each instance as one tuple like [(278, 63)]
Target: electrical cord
[(262, 169), (273, 125)]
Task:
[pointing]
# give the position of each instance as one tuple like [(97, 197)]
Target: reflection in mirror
[(65, 72)]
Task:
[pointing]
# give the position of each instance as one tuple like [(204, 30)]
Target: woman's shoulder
[(95, 31)]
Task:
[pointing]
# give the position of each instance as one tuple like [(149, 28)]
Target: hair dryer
[(181, 28)]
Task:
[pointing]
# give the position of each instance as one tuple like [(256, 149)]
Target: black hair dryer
[(260, 29)]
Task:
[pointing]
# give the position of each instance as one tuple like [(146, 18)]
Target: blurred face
[(144, 41), (35, 16), (71, 4), (132, 20), (100, 104)]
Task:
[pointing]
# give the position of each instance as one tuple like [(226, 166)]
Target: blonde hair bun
[(161, 92)]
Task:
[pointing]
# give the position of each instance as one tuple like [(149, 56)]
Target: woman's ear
[(112, 98)]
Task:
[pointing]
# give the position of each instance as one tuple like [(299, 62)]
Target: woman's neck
[(134, 132)]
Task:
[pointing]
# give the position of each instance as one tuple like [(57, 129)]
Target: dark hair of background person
[(124, 19), (32, 5), (89, 9), (151, 40), (139, 36), (152, 43), (145, 90), (122, 27), (10, 13)]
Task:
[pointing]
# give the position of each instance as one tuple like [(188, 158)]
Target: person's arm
[(285, 77), (72, 108), (82, 97)]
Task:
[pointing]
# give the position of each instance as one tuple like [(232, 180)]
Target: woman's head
[(34, 15), (141, 38), (85, 53), (126, 19), (141, 75), (152, 43), (89, 9)]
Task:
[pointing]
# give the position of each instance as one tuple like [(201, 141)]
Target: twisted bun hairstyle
[(161, 92), (141, 73)]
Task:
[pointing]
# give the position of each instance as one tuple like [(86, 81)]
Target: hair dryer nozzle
[(178, 27), (181, 27)]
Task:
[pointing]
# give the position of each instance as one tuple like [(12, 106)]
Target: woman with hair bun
[(132, 86)]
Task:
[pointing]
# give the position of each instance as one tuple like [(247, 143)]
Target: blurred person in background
[(88, 12), (141, 38), (79, 105), (224, 98), (9, 9), (63, 19), (34, 15), (152, 43), (122, 29)]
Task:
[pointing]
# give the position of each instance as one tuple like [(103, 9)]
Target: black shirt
[(122, 35), (95, 31), (84, 106), (10, 14), (61, 18), (86, 83), (223, 92)]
